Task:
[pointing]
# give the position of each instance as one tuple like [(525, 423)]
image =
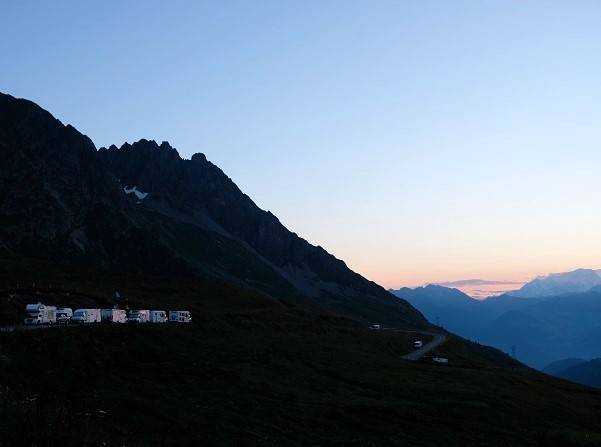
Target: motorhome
[(40, 314), (158, 316), (63, 315), (138, 316), (418, 344), (86, 316), (179, 316), (113, 316)]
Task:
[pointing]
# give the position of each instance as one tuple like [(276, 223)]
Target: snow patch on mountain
[(578, 281), (141, 195)]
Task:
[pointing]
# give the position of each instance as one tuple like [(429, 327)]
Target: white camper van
[(138, 316), (86, 316), (114, 316), (63, 315), (179, 316), (158, 316), (40, 314), (418, 344)]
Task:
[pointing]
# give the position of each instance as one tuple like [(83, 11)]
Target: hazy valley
[(549, 319)]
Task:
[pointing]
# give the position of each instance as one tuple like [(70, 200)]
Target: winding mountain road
[(437, 340), (419, 353)]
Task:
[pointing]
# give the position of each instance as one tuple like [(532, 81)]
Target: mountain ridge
[(543, 329), (142, 208), (576, 281), (585, 372)]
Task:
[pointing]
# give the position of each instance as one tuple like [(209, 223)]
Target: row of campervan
[(42, 314)]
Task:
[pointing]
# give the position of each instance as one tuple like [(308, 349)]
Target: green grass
[(254, 371)]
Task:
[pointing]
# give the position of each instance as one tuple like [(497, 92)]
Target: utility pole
[(437, 322), (513, 351)]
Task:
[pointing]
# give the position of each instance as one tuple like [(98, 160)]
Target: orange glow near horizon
[(485, 290), (394, 276)]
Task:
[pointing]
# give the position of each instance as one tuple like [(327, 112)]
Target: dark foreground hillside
[(255, 371)]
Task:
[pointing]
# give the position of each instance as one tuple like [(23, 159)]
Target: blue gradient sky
[(417, 140)]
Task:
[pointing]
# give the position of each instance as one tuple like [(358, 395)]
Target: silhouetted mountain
[(436, 293), (556, 367), (578, 281), (481, 288), (458, 312), (587, 373), (543, 330), (141, 208), (60, 201), (566, 326), (447, 306)]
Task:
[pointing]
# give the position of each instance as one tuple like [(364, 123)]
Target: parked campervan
[(86, 316), (179, 316), (114, 316), (40, 314), (138, 316), (158, 316)]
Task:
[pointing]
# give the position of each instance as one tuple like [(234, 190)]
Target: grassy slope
[(254, 371), (217, 253)]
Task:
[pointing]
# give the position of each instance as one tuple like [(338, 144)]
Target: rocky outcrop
[(50, 175), (59, 200), (199, 189)]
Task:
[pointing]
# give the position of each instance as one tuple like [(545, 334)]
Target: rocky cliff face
[(198, 191), (49, 174), (142, 208), (59, 200)]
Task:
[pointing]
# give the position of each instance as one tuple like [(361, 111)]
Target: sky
[(419, 141)]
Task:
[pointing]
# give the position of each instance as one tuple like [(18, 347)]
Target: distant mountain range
[(561, 323), (142, 208), (458, 312), (481, 288), (552, 328), (581, 280), (577, 370)]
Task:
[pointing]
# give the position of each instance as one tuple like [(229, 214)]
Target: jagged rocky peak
[(148, 147), (54, 184), (150, 166), (27, 128), (201, 158)]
